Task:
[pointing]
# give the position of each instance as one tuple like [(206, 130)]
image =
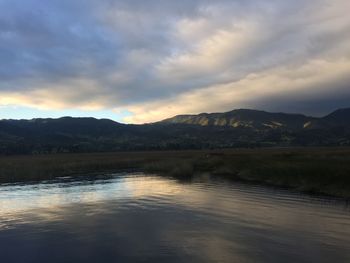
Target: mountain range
[(237, 128)]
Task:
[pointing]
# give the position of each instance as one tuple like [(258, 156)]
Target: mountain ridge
[(245, 118), (236, 128), (169, 120)]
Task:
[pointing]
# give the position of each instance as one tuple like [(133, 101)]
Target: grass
[(314, 170)]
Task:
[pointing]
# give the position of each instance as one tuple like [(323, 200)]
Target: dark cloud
[(330, 97), (130, 53)]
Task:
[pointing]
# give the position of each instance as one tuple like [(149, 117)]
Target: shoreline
[(324, 171)]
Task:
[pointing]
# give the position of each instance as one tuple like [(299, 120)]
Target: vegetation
[(315, 170), (238, 128)]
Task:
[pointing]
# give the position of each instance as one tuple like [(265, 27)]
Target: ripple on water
[(137, 217)]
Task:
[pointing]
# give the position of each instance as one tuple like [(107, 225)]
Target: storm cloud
[(160, 58)]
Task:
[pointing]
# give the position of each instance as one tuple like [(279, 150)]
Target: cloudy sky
[(139, 61)]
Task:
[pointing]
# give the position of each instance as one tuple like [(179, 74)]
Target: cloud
[(161, 58), (272, 89)]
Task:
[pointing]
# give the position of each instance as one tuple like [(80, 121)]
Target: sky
[(139, 61)]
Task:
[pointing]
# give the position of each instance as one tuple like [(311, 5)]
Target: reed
[(314, 170)]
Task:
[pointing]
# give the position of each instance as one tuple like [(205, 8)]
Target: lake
[(148, 218)]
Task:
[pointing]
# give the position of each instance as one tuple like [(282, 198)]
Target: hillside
[(244, 118), (339, 117), (237, 128)]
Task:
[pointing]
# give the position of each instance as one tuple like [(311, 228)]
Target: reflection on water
[(139, 218)]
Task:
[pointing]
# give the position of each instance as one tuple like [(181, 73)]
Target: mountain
[(339, 117), (66, 125), (237, 128), (244, 118)]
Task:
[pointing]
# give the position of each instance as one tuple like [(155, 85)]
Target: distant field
[(316, 170)]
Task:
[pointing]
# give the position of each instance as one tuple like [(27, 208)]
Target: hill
[(339, 117), (245, 118), (237, 128)]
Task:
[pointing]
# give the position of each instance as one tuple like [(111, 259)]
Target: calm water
[(139, 218)]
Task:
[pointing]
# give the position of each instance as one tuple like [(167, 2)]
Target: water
[(140, 218)]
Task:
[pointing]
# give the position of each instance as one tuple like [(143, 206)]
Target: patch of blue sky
[(19, 112)]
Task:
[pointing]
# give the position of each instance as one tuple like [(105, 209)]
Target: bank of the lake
[(314, 170)]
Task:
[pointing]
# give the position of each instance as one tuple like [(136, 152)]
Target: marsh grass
[(314, 170)]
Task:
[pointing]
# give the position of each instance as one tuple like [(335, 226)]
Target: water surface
[(145, 218)]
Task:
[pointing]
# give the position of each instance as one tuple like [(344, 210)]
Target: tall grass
[(317, 170)]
